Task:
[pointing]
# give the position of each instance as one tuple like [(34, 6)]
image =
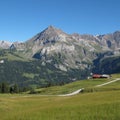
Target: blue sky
[(22, 19)]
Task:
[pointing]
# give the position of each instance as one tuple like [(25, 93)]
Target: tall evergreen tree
[(0, 88), (16, 88), (4, 88)]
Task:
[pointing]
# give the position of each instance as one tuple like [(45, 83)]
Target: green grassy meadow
[(96, 105), (71, 87), (89, 106)]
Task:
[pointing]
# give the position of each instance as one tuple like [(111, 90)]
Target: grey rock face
[(67, 50), (73, 51), (5, 44)]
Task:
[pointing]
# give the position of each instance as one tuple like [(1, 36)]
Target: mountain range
[(66, 57)]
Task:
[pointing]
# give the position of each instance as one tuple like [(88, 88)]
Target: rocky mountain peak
[(5, 44), (49, 36), (65, 51), (51, 30), (116, 36)]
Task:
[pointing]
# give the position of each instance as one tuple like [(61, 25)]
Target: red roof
[(96, 76)]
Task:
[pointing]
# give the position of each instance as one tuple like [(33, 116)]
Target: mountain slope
[(66, 51), (71, 51), (59, 57), (29, 73), (107, 65), (4, 44)]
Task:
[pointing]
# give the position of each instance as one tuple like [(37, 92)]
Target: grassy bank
[(95, 103), (88, 106), (68, 88)]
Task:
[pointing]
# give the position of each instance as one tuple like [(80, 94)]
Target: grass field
[(68, 88), (96, 105), (89, 106)]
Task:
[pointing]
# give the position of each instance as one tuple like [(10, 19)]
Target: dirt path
[(75, 92), (108, 82), (78, 91)]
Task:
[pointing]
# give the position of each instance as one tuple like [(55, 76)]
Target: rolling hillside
[(89, 105)]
